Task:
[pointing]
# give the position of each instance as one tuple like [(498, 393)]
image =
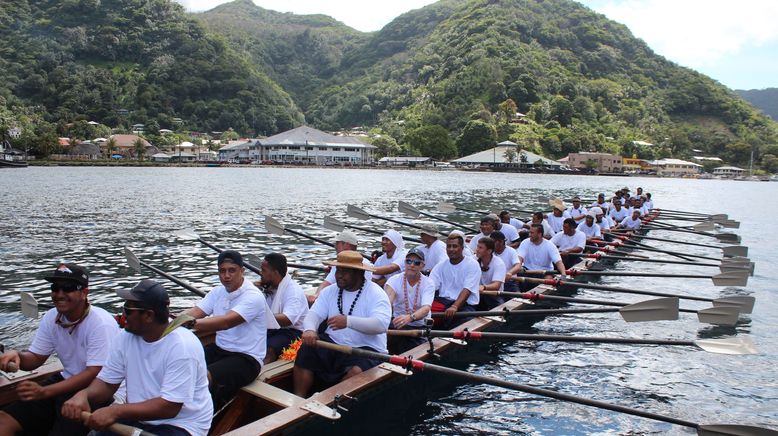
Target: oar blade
[(734, 430), (132, 260), (725, 268), (187, 234), (736, 345), (29, 305), (704, 227), (252, 259), (729, 224), (334, 224), (729, 238), (719, 217), (651, 310), (446, 207), (273, 226), (735, 251), (744, 304), (719, 315), (407, 209), (355, 212), (735, 278)]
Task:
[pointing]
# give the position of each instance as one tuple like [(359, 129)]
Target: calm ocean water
[(88, 215)]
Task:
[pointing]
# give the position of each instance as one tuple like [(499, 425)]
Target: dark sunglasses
[(413, 262), (127, 308), (65, 287)]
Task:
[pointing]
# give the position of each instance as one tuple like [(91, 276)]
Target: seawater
[(88, 215)]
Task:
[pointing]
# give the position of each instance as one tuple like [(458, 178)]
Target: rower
[(456, 280), (600, 202), (411, 294), (237, 312), (506, 218), (648, 203), (569, 241), (540, 218), (511, 234), (492, 272), (393, 260), (509, 257), (631, 222), (487, 227), (601, 219), (589, 227), (638, 193), (81, 335), (345, 240), (577, 211), (167, 379), (617, 213), (558, 215), (287, 303), (433, 248), (536, 253), (357, 314)]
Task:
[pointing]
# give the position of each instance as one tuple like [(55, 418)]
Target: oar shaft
[(557, 283), (120, 429), (392, 220), (429, 215), (532, 296), (526, 312), (312, 238), (632, 259), (255, 268), (173, 279), (645, 247)]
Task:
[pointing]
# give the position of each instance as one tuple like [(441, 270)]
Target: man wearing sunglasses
[(411, 295), (81, 336), (167, 382)]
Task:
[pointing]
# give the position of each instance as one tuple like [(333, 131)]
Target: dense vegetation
[(764, 99), (68, 60), (444, 80)]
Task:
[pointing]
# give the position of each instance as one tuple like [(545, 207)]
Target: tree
[(510, 155), (476, 136), (140, 148), (110, 146), (562, 110), (432, 141), (387, 146), (770, 163)]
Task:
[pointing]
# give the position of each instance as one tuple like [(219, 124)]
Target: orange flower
[(290, 352)]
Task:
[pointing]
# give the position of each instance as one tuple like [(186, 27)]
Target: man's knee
[(8, 425), (354, 370)]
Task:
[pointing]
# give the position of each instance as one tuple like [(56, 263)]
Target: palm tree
[(140, 148), (110, 146)]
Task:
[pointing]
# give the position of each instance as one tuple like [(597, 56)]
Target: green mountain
[(764, 99), (62, 61)]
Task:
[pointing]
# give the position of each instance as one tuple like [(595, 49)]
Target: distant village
[(308, 146)]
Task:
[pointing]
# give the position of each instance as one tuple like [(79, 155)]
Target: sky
[(735, 43)]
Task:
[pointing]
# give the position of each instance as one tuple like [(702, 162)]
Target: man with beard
[(345, 240), (570, 241), (457, 281), (80, 335)]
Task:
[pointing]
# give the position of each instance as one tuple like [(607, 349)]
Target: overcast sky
[(735, 43)]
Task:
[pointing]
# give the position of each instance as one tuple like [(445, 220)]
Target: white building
[(675, 167), (399, 161), (306, 144), (728, 171), (506, 156)]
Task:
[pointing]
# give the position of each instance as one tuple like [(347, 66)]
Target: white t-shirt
[(649, 204), (495, 271), (172, 368), (434, 254), (509, 257), (604, 206), (564, 242), (618, 215), (398, 259), (88, 345), (548, 231), (556, 221), (541, 256), (290, 300), (424, 293), (573, 212), (450, 279), (629, 223), (248, 337), (474, 242), (590, 232), (373, 303), (516, 223), (605, 224), (331, 275), (510, 232)]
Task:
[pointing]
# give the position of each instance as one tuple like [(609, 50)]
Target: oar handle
[(446, 221), (120, 429), (173, 279), (256, 269)]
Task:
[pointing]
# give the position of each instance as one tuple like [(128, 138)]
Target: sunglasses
[(413, 262), (65, 287), (127, 309)]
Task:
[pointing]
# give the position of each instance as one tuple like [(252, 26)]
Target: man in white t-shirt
[(487, 227), (393, 260), (511, 234), (287, 304), (167, 380), (80, 335), (357, 314), (570, 241), (589, 227), (506, 218), (492, 273), (631, 222), (237, 312), (540, 218), (558, 215), (510, 258), (617, 213), (345, 240), (411, 294), (457, 281), (536, 253), (649, 203), (577, 211), (601, 219), (433, 248), (600, 202)]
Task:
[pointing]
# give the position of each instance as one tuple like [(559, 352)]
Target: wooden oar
[(190, 234), (632, 243), (611, 249), (723, 266), (136, 264), (120, 429), (731, 251), (724, 279), (660, 309), (418, 365), (744, 304), (728, 238), (363, 215), (699, 227), (412, 212), (714, 315), (336, 225), (275, 227), (718, 216), (617, 235), (450, 207)]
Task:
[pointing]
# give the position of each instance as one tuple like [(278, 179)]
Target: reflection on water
[(88, 215)]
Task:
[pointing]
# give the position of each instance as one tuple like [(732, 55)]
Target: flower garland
[(290, 352)]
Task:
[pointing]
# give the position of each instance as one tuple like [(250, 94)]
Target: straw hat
[(557, 203), (430, 229), (350, 259)]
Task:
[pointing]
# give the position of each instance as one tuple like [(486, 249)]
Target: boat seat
[(272, 394)]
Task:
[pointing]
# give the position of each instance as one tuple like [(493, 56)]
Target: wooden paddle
[(136, 264), (732, 251), (363, 215), (336, 225), (412, 212), (418, 365), (724, 279), (724, 266), (118, 428)]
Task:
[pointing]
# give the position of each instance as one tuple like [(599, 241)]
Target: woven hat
[(557, 203), (350, 259), (348, 237), (430, 229)]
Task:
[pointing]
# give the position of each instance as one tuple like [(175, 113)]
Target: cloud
[(366, 16), (696, 33)]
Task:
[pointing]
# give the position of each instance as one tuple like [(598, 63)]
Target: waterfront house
[(728, 171), (602, 162), (308, 145)]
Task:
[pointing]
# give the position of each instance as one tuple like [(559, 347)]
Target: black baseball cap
[(148, 292), (231, 256), (416, 251), (498, 236), (69, 271)]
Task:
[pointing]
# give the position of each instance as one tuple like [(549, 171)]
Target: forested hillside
[(764, 99)]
